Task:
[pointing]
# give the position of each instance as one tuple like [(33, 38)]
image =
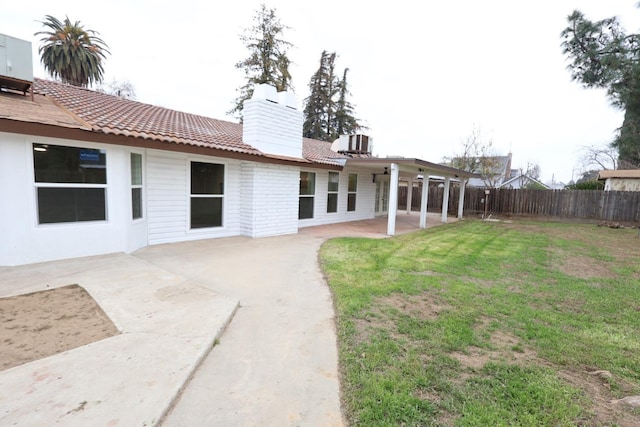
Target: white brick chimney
[(272, 122)]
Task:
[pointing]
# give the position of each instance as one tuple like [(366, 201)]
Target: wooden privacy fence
[(622, 206)]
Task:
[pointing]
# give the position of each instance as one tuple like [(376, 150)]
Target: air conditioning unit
[(353, 144), (16, 63)]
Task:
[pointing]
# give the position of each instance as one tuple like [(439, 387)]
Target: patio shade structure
[(408, 169)]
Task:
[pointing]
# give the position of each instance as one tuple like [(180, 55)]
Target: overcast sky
[(421, 77)]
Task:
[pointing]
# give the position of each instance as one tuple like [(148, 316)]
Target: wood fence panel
[(622, 206)]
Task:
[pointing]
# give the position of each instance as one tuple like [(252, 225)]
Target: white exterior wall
[(365, 198), (269, 197), (260, 199), (622, 184), (168, 197), (24, 241)]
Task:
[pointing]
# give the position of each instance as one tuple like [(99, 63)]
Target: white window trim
[(336, 192), (37, 185), (141, 187), (312, 196), (205, 230), (355, 193)]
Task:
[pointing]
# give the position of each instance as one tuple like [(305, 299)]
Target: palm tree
[(71, 53)]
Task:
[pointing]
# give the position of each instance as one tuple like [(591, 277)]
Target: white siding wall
[(622, 184), (24, 241), (269, 199), (259, 200), (168, 202), (364, 199)]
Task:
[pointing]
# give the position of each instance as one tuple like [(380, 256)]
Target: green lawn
[(488, 323)]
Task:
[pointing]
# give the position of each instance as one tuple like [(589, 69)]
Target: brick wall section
[(269, 199), (272, 128)]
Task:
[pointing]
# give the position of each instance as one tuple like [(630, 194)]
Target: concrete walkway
[(274, 365)]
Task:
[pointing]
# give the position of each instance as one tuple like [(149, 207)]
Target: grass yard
[(489, 323)]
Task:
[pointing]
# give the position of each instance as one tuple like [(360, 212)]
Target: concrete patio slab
[(167, 324)]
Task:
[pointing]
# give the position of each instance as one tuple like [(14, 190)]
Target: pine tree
[(604, 56), (314, 110), (268, 61), (327, 112), (346, 122)]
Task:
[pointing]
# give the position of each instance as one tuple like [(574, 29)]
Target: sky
[(422, 75)]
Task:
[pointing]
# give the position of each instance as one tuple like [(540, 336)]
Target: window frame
[(306, 196), (352, 194), (135, 186), (36, 147), (191, 196), (331, 193)]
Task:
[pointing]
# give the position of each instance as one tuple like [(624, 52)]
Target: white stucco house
[(620, 179), (85, 173)]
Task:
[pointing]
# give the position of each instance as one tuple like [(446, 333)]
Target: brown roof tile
[(320, 152), (74, 107), (112, 115)]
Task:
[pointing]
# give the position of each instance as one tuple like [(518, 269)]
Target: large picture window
[(332, 192), (207, 194), (71, 183), (307, 195), (136, 185), (352, 192)]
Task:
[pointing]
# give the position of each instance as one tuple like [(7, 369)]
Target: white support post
[(463, 185), (423, 201), (393, 200), (445, 198), (409, 196)]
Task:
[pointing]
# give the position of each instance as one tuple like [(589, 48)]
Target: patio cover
[(409, 169)]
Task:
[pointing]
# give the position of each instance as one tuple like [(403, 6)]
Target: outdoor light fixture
[(386, 171), (373, 177)]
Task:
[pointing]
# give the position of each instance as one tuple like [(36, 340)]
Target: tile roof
[(112, 115), (320, 152), (69, 106)]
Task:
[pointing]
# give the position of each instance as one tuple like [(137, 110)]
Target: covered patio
[(375, 228), (395, 170)]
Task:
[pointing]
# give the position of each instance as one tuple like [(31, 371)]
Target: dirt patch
[(615, 243), (422, 306), (583, 267), (41, 324), (597, 386), (504, 348)]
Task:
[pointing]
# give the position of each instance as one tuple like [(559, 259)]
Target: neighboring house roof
[(80, 109), (620, 173), (521, 181), (500, 171)]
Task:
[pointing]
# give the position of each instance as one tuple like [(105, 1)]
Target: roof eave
[(418, 163)]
